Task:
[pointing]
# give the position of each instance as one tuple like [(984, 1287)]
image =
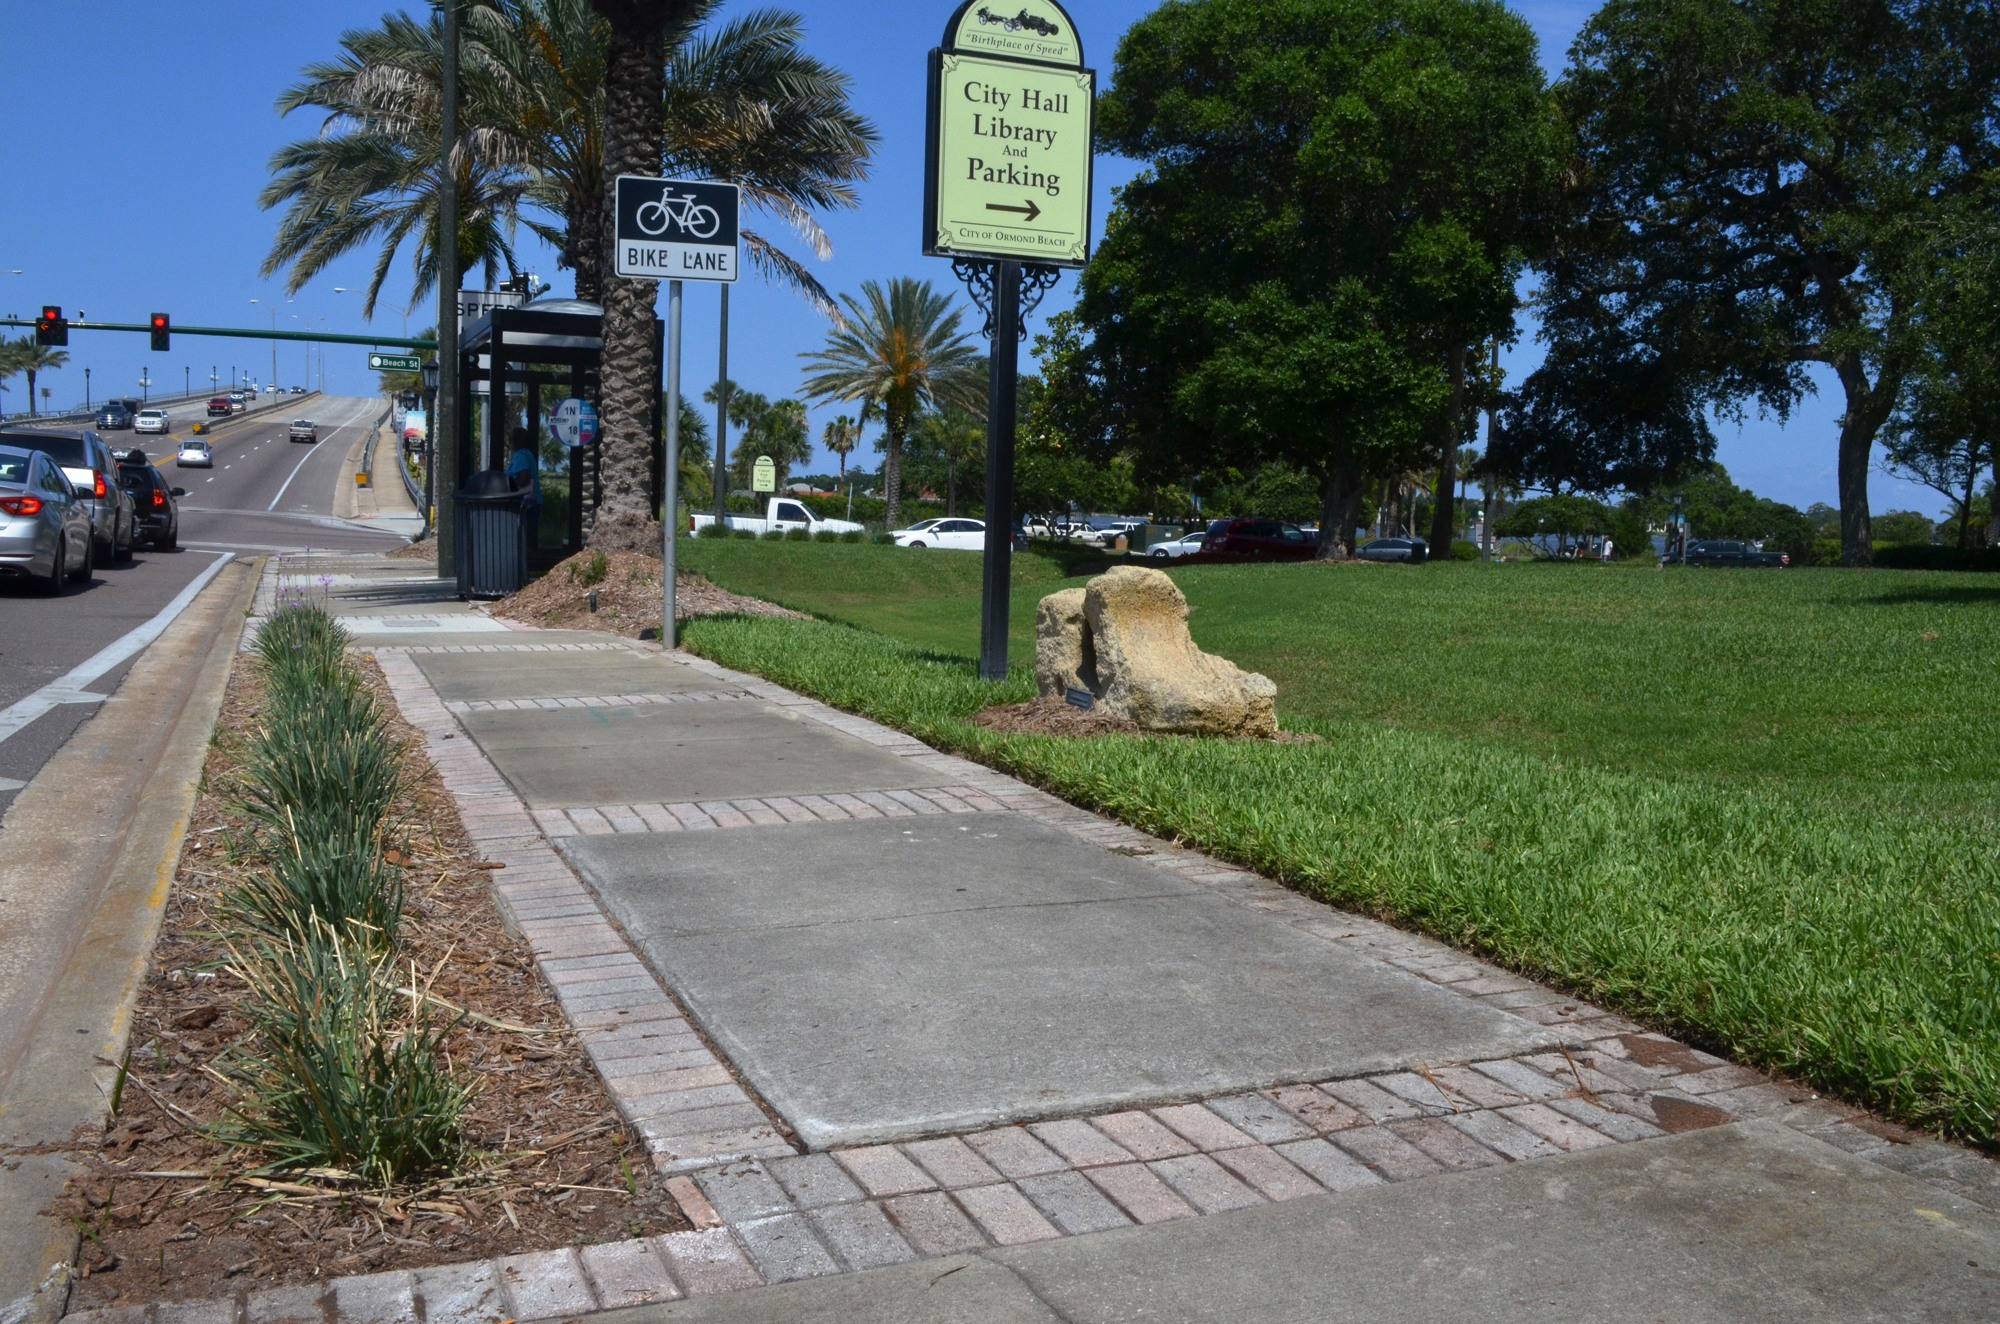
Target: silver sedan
[(44, 527), (1185, 545)]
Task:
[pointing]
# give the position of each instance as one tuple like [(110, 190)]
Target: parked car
[(194, 454), (1185, 545), (302, 429), (1729, 553), (218, 405), (152, 420), (780, 515), (44, 526), (1413, 551), (1261, 539), (954, 535), (93, 471), (153, 501), (114, 415)]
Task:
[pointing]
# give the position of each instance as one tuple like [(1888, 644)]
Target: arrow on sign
[(1031, 211)]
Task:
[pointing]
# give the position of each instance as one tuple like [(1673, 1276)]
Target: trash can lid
[(486, 482)]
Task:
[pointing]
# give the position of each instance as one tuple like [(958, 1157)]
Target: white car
[(194, 454), (150, 420), (1185, 545), (957, 535)]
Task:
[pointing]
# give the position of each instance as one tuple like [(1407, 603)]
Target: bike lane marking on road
[(69, 687)]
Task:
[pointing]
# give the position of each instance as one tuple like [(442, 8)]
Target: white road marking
[(69, 687)]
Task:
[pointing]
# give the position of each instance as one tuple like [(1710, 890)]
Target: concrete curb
[(62, 1083)]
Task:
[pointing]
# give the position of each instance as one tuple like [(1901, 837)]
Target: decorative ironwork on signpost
[(1007, 198)]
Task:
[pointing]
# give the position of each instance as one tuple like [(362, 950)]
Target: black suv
[(156, 512), (1728, 552), (114, 414)]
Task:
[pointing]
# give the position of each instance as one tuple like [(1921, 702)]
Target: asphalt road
[(264, 494)]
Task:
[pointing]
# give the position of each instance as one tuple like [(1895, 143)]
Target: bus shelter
[(529, 359)]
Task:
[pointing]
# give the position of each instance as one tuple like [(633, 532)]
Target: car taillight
[(21, 505), (159, 497), (100, 482)]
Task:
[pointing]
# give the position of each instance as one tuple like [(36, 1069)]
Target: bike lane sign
[(675, 229)]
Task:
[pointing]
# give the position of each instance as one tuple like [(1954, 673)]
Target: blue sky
[(139, 142)]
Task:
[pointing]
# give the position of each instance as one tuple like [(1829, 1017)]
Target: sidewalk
[(384, 503), (923, 1042)]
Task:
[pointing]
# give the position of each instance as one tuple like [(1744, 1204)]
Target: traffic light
[(51, 328), (162, 332)]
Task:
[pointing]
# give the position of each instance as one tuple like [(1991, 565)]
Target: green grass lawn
[(1756, 808)]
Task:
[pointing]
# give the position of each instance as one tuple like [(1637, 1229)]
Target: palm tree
[(558, 97), (10, 351), (955, 435), (899, 350), (28, 358), (727, 137), (371, 174), (841, 436)]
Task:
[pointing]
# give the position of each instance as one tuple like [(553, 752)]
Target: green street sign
[(395, 363), (1009, 155)]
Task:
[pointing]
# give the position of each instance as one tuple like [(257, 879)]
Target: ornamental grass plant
[(345, 1072)]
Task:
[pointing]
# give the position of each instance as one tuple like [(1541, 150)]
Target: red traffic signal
[(162, 332), (51, 328)]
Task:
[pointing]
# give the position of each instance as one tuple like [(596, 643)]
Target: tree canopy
[(1761, 185), (1339, 196)]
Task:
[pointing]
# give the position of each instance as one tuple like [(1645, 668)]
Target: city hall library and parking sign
[(1010, 136)]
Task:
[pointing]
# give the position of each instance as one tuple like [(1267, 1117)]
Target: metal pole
[(722, 416), (671, 486), (444, 419), (1003, 367)]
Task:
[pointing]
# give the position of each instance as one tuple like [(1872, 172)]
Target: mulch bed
[(169, 1214), (1050, 716), (627, 596)]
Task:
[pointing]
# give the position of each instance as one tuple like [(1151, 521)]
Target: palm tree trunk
[(584, 254), (892, 470), (951, 487), (31, 390), (634, 86)]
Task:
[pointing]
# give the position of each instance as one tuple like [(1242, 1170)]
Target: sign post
[(673, 230), (1007, 197)]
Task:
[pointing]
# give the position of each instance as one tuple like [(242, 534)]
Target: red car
[(1260, 539), (218, 405)]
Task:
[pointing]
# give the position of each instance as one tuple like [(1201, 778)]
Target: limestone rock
[(1063, 656), (1124, 637)]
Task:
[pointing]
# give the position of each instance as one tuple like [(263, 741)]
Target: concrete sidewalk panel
[(962, 1290), (516, 675), (573, 758), (1751, 1221), (895, 978)]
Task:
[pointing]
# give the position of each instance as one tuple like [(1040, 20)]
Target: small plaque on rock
[(1077, 698)]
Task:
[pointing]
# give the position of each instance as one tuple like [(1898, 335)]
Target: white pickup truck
[(783, 514)]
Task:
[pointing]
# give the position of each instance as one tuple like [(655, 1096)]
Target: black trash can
[(492, 536)]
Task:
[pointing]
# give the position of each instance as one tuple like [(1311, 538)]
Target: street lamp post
[(86, 388), (145, 385), (186, 390)]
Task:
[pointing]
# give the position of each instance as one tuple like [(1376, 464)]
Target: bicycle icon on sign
[(682, 213)]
